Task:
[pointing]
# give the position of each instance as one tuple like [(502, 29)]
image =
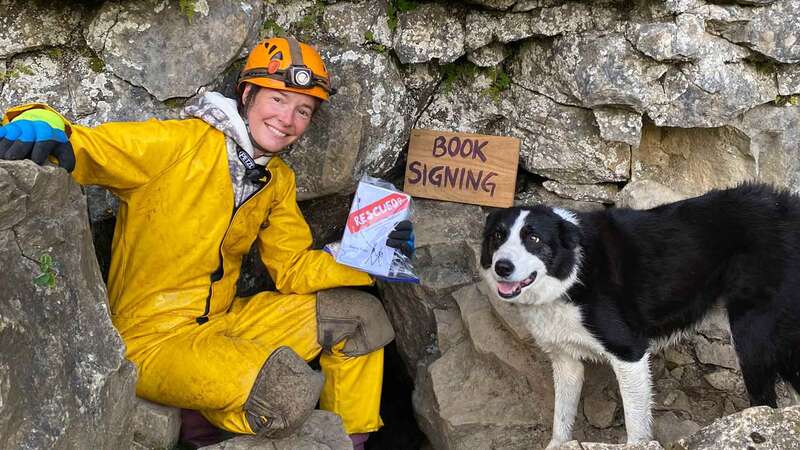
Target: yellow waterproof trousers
[(212, 367)]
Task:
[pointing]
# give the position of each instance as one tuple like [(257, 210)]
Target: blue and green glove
[(402, 238), (36, 134)]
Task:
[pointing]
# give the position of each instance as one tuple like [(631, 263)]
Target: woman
[(195, 194)]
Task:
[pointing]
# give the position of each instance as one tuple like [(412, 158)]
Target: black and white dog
[(617, 284)]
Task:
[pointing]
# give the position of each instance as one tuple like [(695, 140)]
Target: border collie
[(617, 284)]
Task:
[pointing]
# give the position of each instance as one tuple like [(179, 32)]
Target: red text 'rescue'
[(377, 211)]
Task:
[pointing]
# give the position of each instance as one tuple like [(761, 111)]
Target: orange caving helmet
[(288, 65)]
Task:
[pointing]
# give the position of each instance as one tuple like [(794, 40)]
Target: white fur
[(568, 382), (635, 386), (794, 394), (557, 327)]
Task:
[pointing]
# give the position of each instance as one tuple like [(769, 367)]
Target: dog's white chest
[(557, 327)]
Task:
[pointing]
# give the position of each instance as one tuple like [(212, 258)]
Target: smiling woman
[(197, 194)]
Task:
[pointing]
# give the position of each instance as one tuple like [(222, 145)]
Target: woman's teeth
[(276, 131)]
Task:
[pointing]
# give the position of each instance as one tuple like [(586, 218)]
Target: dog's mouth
[(512, 289)]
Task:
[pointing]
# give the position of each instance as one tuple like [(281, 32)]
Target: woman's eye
[(304, 113)]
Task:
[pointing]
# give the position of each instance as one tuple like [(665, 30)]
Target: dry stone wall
[(616, 103)]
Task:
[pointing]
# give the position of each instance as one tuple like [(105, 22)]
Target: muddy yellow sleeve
[(125, 155), (286, 241)]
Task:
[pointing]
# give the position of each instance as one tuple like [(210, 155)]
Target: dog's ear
[(488, 227), (570, 234)]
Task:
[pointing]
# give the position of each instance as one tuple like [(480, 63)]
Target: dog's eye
[(499, 235), (533, 238)]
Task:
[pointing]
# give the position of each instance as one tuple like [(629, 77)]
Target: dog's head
[(530, 255)]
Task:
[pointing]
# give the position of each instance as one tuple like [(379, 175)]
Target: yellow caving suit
[(177, 251)]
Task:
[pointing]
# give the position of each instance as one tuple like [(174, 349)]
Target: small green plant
[(784, 100), (270, 28), (457, 71), (15, 73), (369, 41), (396, 6), (96, 64), (48, 276), (501, 82), (187, 8), (311, 19)]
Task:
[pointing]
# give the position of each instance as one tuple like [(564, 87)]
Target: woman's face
[(278, 118)]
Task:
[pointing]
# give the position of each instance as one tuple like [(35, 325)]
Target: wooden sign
[(462, 167)]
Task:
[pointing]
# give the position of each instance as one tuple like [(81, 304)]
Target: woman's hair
[(243, 104)]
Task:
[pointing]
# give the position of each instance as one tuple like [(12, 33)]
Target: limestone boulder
[(64, 380), (769, 31), (322, 431), (155, 426), (430, 31), (176, 52), (53, 26), (446, 234), (759, 427)]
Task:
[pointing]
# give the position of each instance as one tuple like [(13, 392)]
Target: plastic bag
[(377, 208)]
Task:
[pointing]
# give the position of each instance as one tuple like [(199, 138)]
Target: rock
[(789, 80), (617, 125), (488, 56), (774, 133), (155, 426), (598, 409), (716, 353), (590, 70), (769, 31), (575, 17), (502, 413), (669, 41), (669, 427), (484, 27), (645, 194), (63, 375), (357, 23), (53, 26), (575, 445), (759, 427), (322, 431), (693, 161), (219, 30), (600, 193), (536, 194), (430, 31), (725, 380), (446, 235)]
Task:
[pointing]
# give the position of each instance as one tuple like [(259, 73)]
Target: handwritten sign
[(462, 167)]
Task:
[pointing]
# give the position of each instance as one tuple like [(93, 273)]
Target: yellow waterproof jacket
[(179, 241)]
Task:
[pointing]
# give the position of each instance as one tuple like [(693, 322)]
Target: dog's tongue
[(507, 288)]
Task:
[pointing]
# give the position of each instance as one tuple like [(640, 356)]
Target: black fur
[(646, 274)]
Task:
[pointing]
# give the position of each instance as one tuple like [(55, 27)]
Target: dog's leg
[(795, 395), (635, 386), (568, 381)]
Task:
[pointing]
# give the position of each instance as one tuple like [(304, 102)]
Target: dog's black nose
[(504, 267)]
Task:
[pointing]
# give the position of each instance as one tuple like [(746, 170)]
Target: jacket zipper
[(217, 274)]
